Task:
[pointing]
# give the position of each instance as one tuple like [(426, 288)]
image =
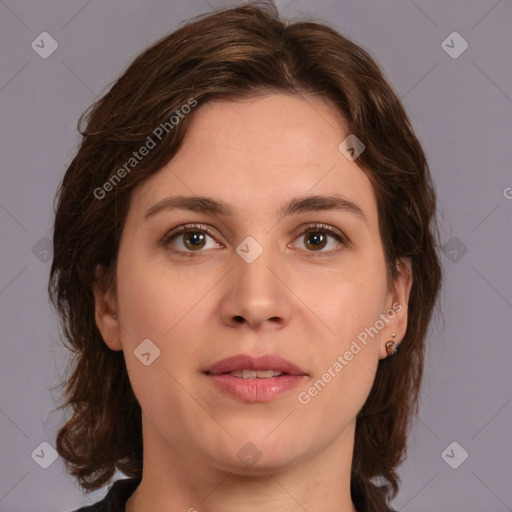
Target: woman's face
[(264, 280)]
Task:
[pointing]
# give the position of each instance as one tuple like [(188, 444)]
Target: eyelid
[(186, 228), (321, 226), (303, 229)]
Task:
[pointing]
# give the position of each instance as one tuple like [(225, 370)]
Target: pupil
[(194, 239), (318, 240)]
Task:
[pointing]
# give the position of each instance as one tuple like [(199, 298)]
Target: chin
[(263, 466), (254, 452)]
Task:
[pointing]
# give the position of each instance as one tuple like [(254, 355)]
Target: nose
[(257, 295)]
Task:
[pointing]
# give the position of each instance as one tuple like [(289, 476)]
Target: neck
[(174, 479)]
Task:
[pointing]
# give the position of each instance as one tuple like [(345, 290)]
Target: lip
[(255, 390), (247, 362)]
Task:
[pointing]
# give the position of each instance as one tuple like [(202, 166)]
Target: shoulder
[(116, 498)]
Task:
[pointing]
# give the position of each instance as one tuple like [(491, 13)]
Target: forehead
[(289, 128), (261, 151)]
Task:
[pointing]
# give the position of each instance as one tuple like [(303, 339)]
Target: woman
[(245, 268)]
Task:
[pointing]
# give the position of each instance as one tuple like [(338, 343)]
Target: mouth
[(255, 374), (255, 379)]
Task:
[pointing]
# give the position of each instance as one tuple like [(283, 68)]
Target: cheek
[(348, 355), (166, 307), (354, 298), (155, 299), (347, 363), (157, 306), (336, 396)]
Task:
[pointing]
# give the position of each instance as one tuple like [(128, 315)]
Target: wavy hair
[(238, 53)]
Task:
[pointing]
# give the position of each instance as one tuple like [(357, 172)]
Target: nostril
[(239, 319)]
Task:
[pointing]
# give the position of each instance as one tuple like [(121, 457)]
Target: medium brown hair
[(228, 55)]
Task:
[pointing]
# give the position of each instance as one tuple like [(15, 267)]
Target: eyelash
[(193, 228)]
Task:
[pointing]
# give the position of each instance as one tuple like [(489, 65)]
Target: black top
[(117, 496)]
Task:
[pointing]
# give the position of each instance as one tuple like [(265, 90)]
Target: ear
[(106, 310), (396, 306)]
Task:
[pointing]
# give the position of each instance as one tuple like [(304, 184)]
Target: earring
[(391, 346)]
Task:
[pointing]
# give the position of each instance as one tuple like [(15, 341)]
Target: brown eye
[(189, 239), (315, 240), (194, 240), (318, 237)]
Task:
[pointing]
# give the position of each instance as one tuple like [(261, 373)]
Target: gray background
[(461, 109)]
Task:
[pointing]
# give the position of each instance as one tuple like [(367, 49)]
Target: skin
[(304, 304)]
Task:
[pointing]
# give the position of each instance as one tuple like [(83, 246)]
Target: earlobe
[(105, 313)]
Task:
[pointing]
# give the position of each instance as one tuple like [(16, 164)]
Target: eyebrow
[(202, 204)]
